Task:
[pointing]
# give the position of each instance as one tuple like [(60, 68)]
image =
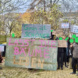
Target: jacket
[(75, 50)]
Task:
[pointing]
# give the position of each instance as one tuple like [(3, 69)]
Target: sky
[(73, 5)]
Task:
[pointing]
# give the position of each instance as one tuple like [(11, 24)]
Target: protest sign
[(62, 43), (65, 25), (31, 53), (75, 29), (76, 35), (36, 31), (1, 48)]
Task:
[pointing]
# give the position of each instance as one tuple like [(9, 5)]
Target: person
[(70, 57), (65, 54), (1, 60), (75, 56), (67, 49), (51, 37), (60, 58)]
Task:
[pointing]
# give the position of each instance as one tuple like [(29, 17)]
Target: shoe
[(61, 68), (72, 73), (58, 68), (66, 66)]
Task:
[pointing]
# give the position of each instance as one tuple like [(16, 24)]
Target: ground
[(11, 72)]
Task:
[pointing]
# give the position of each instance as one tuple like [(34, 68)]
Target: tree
[(8, 18), (43, 3), (7, 6), (11, 22), (69, 5), (66, 5), (41, 17), (26, 17)]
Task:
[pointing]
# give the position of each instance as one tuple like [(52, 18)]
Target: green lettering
[(44, 28), (41, 28), (26, 28)]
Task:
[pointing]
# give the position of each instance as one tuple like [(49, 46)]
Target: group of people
[(68, 54), (64, 54)]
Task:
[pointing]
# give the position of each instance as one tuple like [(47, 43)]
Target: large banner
[(36, 31), (65, 25), (31, 53)]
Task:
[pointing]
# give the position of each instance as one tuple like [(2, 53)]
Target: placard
[(76, 35), (1, 48), (65, 25), (62, 43), (75, 29), (31, 53), (36, 31)]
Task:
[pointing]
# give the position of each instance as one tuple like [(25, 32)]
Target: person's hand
[(71, 45)]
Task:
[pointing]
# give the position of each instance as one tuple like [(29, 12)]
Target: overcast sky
[(73, 5)]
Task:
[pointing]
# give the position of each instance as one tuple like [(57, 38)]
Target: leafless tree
[(67, 5), (7, 8)]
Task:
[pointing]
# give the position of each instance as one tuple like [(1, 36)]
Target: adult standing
[(65, 54), (75, 56), (60, 57)]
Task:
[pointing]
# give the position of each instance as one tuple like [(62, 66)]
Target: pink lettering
[(53, 43), (10, 42), (41, 43), (38, 51), (22, 51), (26, 41), (45, 54), (16, 42), (29, 52), (32, 42), (21, 42), (16, 50)]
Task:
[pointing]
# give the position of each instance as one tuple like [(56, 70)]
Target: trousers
[(60, 59), (74, 62)]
